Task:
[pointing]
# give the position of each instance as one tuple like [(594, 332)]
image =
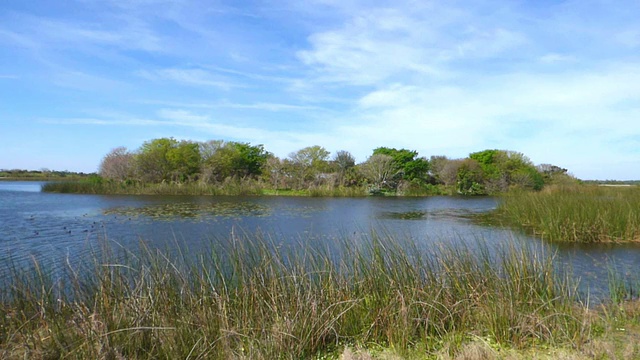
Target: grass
[(41, 175), (250, 297), (583, 213), (231, 187)]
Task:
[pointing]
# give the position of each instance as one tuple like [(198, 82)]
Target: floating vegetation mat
[(426, 215), (195, 211)]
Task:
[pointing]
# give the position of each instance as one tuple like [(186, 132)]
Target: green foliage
[(252, 159), (95, 179), (184, 160), (232, 159), (469, 178), (307, 165), (406, 163), (44, 174), (387, 170), (503, 169), (166, 159), (311, 157)]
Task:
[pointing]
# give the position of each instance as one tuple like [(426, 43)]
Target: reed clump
[(230, 186), (336, 191), (251, 297), (582, 213)]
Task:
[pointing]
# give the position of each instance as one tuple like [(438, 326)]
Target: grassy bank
[(585, 213), (250, 298), (135, 188), (41, 175), (231, 187)]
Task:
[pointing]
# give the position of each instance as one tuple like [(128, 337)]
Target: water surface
[(67, 227)]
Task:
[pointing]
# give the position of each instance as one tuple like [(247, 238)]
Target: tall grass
[(576, 213), (253, 298), (228, 187), (336, 191)]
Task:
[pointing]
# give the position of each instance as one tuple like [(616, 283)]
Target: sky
[(558, 81)]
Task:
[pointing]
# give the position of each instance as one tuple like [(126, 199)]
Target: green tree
[(308, 163), (503, 169), (167, 159), (469, 178), (223, 160), (184, 159), (152, 162), (251, 160), (406, 163)]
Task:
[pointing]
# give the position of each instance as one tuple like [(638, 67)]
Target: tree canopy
[(386, 169)]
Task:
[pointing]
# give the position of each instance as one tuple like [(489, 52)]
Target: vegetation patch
[(250, 297), (216, 167), (586, 213)]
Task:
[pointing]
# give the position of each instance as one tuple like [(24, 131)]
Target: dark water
[(67, 227)]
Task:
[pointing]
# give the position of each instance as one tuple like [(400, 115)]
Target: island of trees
[(167, 165)]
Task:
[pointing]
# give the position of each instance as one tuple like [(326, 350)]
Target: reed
[(228, 187), (252, 297), (583, 213), (336, 191)]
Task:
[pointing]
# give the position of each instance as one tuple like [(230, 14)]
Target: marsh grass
[(576, 213), (336, 191), (253, 298), (228, 187)]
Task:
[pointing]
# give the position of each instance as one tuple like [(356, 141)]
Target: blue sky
[(556, 80)]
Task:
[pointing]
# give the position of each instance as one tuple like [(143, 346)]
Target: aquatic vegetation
[(251, 297), (231, 187), (576, 213), (193, 210)]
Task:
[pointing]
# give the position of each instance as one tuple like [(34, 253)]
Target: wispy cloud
[(192, 77), (184, 117), (75, 35), (554, 58), (101, 122), (264, 106)]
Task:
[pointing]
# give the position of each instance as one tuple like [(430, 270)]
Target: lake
[(57, 228)]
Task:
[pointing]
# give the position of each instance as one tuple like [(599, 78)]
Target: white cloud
[(554, 58), (80, 36), (183, 117), (193, 77), (98, 121)]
